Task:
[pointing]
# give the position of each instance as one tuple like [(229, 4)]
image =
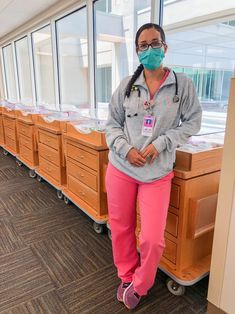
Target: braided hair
[(141, 67)]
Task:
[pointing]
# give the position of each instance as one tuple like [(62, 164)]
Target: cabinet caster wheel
[(32, 174), (98, 227), (40, 179), (19, 163), (60, 195), (109, 234), (174, 287), (66, 200), (5, 152)]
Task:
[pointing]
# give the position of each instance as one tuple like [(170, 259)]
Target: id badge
[(148, 124)]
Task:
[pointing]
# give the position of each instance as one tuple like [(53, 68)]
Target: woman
[(150, 114)]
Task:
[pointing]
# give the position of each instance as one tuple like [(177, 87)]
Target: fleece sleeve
[(191, 114), (115, 137)]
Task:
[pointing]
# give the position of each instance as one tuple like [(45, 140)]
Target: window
[(73, 59), (104, 74), (115, 55), (9, 73), (104, 6), (43, 62), (203, 52), (23, 70)]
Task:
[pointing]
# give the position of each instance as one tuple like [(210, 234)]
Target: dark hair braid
[(133, 79)]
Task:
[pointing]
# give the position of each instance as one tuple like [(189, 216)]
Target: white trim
[(155, 11), (15, 71), (204, 20), (17, 67), (70, 10), (55, 65), (53, 21), (34, 70), (221, 281), (31, 65), (3, 74), (91, 56), (41, 20)]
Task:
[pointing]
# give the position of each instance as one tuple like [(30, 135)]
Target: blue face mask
[(151, 58)]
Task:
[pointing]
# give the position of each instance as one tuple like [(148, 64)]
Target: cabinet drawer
[(83, 175), (84, 192), (26, 141), (10, 133), (26, 130), (26, 153), (175, 196), (172, 224), (83, 156), (49, 154), (49, 139), (49, 168), (9, 123), (170, 250), (11, 143), (1, 130)]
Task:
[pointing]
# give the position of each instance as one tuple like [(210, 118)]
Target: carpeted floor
[(51, 260)]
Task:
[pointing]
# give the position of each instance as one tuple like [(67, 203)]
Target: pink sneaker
[(121, 289), (131, 298)]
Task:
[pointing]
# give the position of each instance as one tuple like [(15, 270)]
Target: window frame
[(57, 57), (17, 68), (53, 66), (11, 44), (156, 17)]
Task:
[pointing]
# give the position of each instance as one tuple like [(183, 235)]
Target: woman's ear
[(165, 48)]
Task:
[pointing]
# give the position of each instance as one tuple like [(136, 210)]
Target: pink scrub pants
[(153, 199)]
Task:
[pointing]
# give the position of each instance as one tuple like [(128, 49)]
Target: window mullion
[(91, 54)]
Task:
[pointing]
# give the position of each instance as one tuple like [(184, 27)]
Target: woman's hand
[(151, 152), (135, 158)]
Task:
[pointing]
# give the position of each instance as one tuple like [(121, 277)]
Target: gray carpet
[(51, 260)]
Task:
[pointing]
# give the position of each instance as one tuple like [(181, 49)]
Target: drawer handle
[(82, 193), (81, 156), (82, 175), (48, 169)]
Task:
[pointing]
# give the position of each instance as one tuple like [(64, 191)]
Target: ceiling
[(14, 13)]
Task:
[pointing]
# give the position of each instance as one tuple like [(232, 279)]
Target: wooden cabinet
[(28, 150), (50, 152), (191, 217), (2, 136), (86, 157), (10, 131)]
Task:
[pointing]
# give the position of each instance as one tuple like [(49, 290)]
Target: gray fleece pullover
[(174, 124)]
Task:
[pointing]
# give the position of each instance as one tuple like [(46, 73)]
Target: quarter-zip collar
[(140, 81)]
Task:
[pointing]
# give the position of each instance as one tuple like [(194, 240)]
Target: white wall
[(222, 274), (189, 11), (227, 297)]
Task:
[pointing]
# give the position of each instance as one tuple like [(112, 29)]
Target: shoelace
[(136, 295)]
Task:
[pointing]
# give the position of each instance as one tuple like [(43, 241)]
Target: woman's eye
[(143, 46)]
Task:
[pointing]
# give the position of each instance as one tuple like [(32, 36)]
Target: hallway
[(52, 261)]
